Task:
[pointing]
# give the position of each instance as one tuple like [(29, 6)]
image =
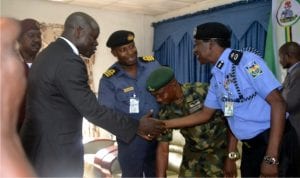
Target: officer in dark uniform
[(205, 146), (248, 93), (123, 88)]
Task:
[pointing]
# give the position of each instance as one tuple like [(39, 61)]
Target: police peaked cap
[(119, 38), (159, 78), (212, 30)]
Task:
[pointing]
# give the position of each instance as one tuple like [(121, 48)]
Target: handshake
[(150, 128)]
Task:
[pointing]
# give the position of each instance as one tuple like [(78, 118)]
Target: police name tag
[(134, 104), (228, 110)]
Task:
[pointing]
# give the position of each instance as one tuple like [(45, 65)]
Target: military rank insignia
[(194, 106), (254, 69), (110, 72), (148, 58)]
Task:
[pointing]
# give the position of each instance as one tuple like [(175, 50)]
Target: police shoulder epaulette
[(147, 58), (235, 56), (110, 72)]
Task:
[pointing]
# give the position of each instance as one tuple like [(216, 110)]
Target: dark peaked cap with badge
[(159, 78), (212, 30), (119, 38)]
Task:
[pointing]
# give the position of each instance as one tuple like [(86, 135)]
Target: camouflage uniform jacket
[(205, 145)]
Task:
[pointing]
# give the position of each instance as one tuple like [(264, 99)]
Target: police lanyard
[(231, 78)]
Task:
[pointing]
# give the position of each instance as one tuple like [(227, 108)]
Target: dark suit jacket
[(58, 98), (290, 161), (290, 92)]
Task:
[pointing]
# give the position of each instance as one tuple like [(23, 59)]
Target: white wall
[(198, 6), (109, 22)]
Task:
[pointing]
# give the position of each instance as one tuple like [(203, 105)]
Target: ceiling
[(147, 7)]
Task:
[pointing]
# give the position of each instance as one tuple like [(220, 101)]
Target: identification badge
[(134, 104), (228, 111)]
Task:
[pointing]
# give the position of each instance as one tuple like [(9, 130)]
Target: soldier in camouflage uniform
[(205, 146)]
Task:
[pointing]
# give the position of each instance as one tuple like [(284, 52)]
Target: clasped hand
[(149, 127)]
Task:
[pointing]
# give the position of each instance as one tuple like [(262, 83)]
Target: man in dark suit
[(59, 97), (289, 58)]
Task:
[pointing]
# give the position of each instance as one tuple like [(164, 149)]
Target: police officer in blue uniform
[(247, 92), (123, 88)]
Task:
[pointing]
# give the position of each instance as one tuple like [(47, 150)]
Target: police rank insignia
[(110, 72), (147, 58), (235, 56), (220, 64), (254, 69)]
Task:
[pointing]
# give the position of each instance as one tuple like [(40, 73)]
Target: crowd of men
[(45, 95)]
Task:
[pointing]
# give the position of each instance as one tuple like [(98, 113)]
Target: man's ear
[(113, 52), (78, 30)]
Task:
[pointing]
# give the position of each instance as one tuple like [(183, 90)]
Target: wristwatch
[(234, 155)]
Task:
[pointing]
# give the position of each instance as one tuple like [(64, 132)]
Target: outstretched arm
[(194, 119)]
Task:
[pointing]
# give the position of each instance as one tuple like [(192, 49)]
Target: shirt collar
[(75, 50), (140, 67), (293, 67)]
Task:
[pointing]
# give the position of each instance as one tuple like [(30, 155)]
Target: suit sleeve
[(72, 80)]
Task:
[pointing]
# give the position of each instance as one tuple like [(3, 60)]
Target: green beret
[(212, 30), (119, 38), (159, 78)]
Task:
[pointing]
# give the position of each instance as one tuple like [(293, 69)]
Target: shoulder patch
[(235, 56), (110, 72), (147, 58), (254, 69)]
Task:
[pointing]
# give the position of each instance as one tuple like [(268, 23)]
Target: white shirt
[(75, 50)]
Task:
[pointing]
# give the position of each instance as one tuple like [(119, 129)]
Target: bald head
[(289, 54), (82, 30), (79, 19), (291, 49)]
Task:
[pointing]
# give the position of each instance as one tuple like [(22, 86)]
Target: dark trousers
[(290, 154), (253, 151), (137, 159)]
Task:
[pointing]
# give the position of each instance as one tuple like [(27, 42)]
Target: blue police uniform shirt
[(255, 81), (115, 91)]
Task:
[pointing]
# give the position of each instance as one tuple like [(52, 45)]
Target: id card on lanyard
[(228, 108), (228, 105), (134, 104)]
